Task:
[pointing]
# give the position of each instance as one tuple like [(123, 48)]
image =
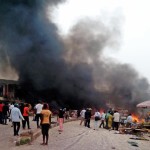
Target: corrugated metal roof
[(3, 81)]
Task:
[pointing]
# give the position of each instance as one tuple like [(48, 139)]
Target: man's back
[(116, 117), (15, 114), (39, 107)]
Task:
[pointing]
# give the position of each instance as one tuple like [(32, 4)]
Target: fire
[(135, 118)]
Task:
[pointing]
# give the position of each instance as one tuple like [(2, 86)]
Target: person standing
[(97, 117), (15, 117), (82, 114), (10, 108), (116, 120), (21, 107), (102, 120), (106, 119), (38, 108), (110, 120), (45, 123), (61, 119), (5, 113), (87, 117), (1, 113), (129, 121)]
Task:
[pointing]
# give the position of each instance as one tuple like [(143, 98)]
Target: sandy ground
[(76, 137)]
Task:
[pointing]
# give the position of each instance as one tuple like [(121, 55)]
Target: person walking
[(102, 120), (45, 123), (82, 114), (26, 116), (38, 108), (15, 117), (97, 117)]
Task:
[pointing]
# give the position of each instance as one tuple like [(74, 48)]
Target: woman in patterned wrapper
[(110, 120)]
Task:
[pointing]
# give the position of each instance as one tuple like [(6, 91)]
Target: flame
[(135, 118)]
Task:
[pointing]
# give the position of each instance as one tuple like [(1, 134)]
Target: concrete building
[(8, 88)]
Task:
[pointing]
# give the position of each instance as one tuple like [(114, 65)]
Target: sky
[(134, 48)]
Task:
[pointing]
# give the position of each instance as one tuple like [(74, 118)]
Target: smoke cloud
[(71, 69)]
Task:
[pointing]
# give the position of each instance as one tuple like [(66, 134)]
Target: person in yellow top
[(45, 123)]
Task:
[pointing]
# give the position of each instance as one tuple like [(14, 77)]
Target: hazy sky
[(135, 26)]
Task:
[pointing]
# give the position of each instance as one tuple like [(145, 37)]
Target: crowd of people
[(109, 120), (18, 114)]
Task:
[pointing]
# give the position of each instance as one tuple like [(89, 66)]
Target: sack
[(97, 118)]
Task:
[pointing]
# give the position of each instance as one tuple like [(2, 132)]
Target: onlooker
[(11, 107), (5, 113), (1, 112), (97, 117), (61, 119), (26, 116), (106, 118), (45, 123), (87, 117), (38, 108), (102, 119), (82, 114), (15, 117), (110, 120), (129, 121), (116, 120)]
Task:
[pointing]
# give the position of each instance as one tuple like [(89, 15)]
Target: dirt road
[(76, 137)]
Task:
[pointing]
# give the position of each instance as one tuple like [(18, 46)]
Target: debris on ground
[(139, 138), (133, 143)]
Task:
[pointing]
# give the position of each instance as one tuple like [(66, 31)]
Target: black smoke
[(70, 70)]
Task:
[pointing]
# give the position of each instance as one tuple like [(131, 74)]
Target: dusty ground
[(76, 137)]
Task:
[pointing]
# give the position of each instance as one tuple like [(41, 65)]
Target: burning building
[(8, 89), (67, 69)]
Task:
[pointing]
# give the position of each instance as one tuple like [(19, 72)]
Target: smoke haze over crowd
[(68, 69)]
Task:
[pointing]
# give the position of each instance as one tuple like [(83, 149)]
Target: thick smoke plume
[(70, 70)]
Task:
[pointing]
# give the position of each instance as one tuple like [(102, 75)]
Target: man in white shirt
[(116, 117), (82, 114), (38, 108), (15, 117)]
